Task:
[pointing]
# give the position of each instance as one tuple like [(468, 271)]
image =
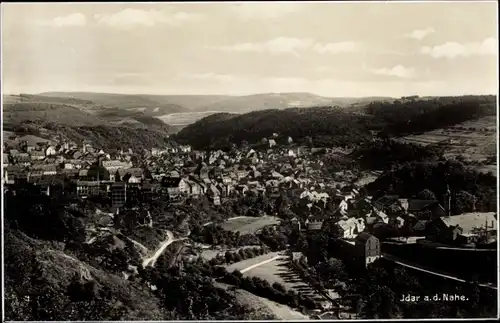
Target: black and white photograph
[(266, 161)]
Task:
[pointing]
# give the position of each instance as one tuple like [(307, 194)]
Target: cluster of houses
[(425, 220), (181, 173), (177, 171)]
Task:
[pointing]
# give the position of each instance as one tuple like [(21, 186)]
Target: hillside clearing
[(475, 141)]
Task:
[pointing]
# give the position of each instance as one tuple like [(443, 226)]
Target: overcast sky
[(331, 49)]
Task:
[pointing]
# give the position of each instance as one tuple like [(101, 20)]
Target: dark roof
[(415, 205), (171, 182), (363, 237), (420, 225), (387, 199), (137, 172)]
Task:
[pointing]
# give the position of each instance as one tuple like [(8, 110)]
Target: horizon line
[(46, 93)]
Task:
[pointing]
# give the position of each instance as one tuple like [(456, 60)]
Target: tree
[(229, 257), (236, 257), (463, 202), (117, 176), (426, 194)]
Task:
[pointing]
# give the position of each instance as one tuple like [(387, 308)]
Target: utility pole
[(448, 201)]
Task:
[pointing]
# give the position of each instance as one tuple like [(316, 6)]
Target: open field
[(30, 139), (247, 224), (208, 254), (273, 268), (185, 118), (475, 140), (263, 306)]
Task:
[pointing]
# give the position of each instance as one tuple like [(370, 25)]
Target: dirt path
[(260, 263), (152, 260), (235, 218)]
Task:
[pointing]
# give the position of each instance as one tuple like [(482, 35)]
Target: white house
[(50, 151), (348, 228)]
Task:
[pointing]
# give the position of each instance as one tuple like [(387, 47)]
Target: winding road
[(152, 260)]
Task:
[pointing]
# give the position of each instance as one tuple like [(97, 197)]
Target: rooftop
[(471, 221)]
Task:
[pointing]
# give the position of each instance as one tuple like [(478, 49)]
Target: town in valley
[(332, 179)]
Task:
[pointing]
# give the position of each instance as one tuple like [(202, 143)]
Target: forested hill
[(322, 123), (332, 126)]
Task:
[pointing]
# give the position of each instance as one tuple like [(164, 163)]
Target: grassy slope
[(474, 139), (75, 112), (15, 113), (58, 270)]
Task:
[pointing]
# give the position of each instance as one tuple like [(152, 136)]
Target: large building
[(118, 194), (368, 247), (361, 252)]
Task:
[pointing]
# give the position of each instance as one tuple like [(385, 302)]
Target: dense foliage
[(415, 116), (43, 217), (410, 179), (325, 125), (231, 257), (388, 154), (191, 294), (215, 235), (53, 273)]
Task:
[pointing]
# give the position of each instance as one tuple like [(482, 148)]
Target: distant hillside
[(186, 109), (74, 112), (107, 137), (338, 126), (15, 113), (192, 102), (45, 99), (256, 102), (162, 105), (151, 105)]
